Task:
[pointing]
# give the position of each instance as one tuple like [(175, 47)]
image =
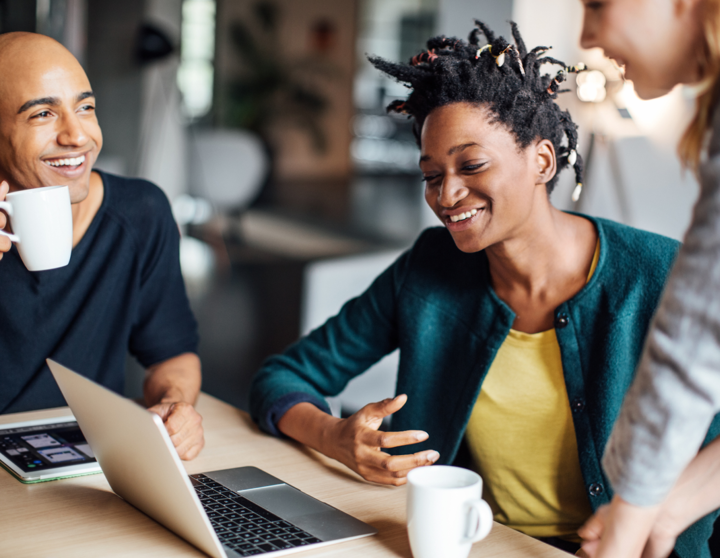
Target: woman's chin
[(467, 244)]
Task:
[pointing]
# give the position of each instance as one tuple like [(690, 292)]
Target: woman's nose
[(588, 36), (452, 191)]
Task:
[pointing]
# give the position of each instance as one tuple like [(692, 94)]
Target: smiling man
[(122, 290)]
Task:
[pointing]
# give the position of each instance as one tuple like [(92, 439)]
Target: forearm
[(697, 492), (310, 426), (173, 380)]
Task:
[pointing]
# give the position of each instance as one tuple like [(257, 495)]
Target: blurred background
[(265, 125)]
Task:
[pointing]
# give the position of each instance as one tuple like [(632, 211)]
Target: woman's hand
[(621, 530), (5, 243), (356, 441), (359, 444)]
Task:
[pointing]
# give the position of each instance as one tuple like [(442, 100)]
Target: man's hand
[(184, 425), (356, 441), (171, 388), (5, 243)]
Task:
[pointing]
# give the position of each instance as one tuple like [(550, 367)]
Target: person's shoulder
[(636, 246), (136, 201)]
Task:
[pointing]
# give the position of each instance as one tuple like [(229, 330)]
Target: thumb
[(163, 410), (4, 189), (387, 407), (593, 528)]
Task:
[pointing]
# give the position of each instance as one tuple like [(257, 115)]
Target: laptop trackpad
[(323, 521)]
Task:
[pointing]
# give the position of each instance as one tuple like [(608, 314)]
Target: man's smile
[(71, 165), (68, 162)]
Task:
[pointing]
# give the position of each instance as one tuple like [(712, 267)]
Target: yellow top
[(522, 438)]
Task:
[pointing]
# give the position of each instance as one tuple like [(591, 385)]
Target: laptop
[(228, 513)]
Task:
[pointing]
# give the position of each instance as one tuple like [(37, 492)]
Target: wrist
[(171, 395), (328, 427)]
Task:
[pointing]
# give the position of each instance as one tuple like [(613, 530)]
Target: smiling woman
[(519, 326)]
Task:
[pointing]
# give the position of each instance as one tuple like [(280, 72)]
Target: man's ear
[(545, 160)]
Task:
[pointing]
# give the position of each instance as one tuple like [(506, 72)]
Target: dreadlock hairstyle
[(504, 77)]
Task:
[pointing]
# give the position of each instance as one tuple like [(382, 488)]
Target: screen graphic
[(45, 446)]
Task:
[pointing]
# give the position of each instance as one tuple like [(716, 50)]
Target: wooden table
[(82, 517)]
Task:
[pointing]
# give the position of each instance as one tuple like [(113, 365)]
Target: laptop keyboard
[(243, 525)]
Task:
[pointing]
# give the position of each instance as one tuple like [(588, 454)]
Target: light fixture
[(591, 86)]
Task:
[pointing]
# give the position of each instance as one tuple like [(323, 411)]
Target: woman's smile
[(459, 220)]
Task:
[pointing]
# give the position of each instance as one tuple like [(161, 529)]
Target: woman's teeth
[(74, 162), (463, 216)]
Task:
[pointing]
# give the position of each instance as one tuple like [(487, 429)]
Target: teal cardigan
[(436, 304)]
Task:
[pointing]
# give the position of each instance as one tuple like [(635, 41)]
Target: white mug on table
[(41, 220), (445, 511)]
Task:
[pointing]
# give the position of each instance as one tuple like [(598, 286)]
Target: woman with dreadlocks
[(519, 326)]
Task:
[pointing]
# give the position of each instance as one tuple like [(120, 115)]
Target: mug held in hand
[(41, 220), (445, 512)]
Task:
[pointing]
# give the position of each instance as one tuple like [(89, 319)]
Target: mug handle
[(7, 207), (482, 518)]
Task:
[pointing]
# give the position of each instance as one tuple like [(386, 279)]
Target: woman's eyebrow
[(462, 147), (453, 150)]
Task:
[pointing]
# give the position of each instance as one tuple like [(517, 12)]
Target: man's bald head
[(20, 51), (47, 115), (24, 56)]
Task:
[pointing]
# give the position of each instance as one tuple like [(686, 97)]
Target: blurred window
[(396, 30), (196, 72)]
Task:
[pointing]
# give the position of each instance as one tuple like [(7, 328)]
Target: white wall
[(649, 178), (456, 16)]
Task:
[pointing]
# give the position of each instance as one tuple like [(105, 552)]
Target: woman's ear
[(546, 162)]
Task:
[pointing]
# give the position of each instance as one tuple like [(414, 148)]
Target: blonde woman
[(661, 483)]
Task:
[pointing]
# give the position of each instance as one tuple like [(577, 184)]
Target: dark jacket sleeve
[(323, 362)]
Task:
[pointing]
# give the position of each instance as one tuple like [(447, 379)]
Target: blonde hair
[(693, 140)]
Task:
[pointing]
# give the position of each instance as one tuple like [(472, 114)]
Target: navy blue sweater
[(122, 291)]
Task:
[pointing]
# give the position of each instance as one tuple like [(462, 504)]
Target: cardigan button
[(577, 406), (561, 320), (596, 489)]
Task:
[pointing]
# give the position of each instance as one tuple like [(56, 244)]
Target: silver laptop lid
[(138, 458)]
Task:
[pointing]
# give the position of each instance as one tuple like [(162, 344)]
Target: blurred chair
[(327, 285), (227, 167)]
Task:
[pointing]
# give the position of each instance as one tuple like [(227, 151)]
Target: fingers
[(400, 463), (184, 426), (593, 528), (380, 439), (386, 469), (384, 408), (161, 409), (4, 189)]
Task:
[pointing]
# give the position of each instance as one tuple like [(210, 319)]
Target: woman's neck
[(544, 264)]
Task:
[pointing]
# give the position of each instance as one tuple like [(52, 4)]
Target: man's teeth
[(74, 162), (463, 216)]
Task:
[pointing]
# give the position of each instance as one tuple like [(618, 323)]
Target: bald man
[(122, 290)]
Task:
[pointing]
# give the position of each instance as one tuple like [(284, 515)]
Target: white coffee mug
[(41, 220), (445, 512)]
